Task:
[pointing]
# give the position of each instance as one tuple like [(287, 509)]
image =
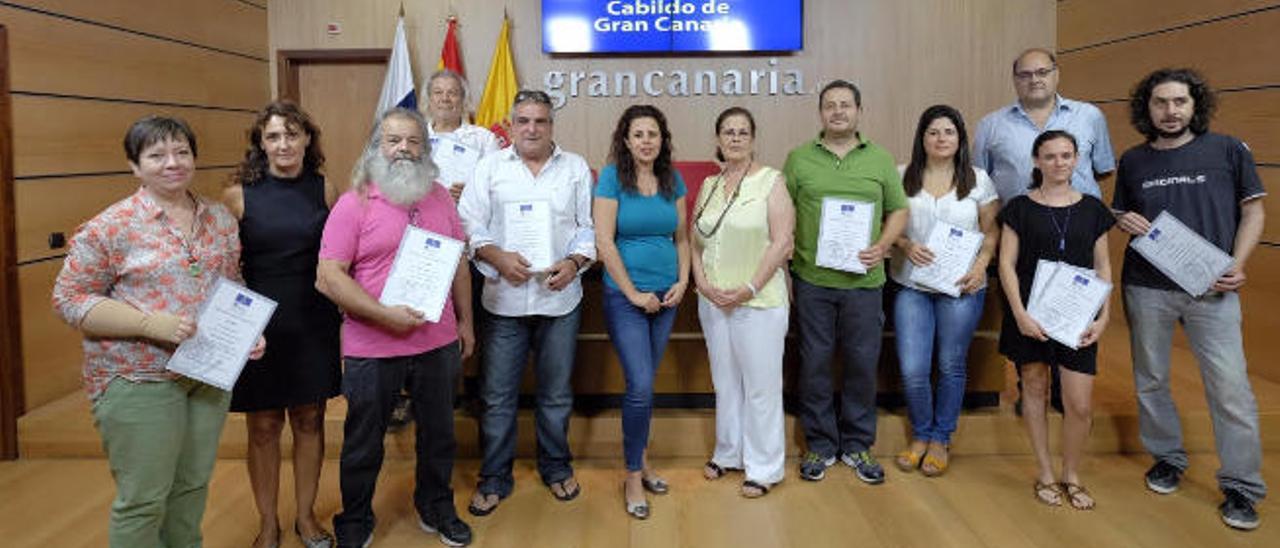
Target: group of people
[(135, 275)]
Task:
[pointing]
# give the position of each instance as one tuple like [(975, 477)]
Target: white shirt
[(927, 210), (473, 137), (565, 182)]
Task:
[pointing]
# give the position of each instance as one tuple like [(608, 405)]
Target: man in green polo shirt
[(844, 169)]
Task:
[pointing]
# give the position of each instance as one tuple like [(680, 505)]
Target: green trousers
[(161, 440)]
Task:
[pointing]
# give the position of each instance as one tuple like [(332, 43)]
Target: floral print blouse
[(132, 253)]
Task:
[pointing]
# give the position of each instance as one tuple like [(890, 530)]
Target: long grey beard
[(403, 181)]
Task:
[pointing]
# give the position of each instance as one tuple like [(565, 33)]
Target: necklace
[(192, 261), (697, 216), (1061, 229)]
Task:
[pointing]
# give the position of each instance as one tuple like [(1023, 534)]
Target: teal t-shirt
[(645, 233)]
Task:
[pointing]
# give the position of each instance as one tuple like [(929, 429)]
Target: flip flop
[(655, 485), (567, 494), (751, 484), (481, 512)]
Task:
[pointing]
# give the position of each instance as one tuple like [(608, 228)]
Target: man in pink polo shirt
[(385, 348)]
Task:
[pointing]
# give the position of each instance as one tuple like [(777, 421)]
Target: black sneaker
[(1163, 477), (1237, 511), (814, 466), (452, 531), (865, 466)]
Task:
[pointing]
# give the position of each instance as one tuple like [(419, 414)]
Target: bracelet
[(752, 289), (576, 265)]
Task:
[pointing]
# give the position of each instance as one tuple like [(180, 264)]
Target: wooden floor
[(982, 501)]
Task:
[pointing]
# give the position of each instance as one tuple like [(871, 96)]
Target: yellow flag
[(500, 88)]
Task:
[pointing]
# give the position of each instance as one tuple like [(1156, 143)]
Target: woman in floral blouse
[(133, 280)]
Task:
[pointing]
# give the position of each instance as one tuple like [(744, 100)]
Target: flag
[(397, 86), (450, 55), (499, 89)]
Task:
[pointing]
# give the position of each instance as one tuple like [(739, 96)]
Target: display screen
[(647, 26)]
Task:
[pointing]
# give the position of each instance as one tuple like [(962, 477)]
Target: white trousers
[(745, 346)]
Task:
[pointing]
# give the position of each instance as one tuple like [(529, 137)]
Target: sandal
[(932, 466), (1049, 494), (713, 471), (1078, 497), (908, 460), (322, 540), (566, 494), (481, 511), (760, 489), (638, 510), (655, 485)]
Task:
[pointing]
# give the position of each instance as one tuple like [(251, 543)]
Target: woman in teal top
[(639, 215)]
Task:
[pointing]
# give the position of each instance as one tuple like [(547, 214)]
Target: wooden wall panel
[(1233, 53), (52, 356), (1271, 203), (65, 136), (202, 22), (55, 55), (43, 206), (1087, 22), (1258, 301), (904, 55)]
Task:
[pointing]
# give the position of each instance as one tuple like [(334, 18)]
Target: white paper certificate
[(845, 230), (422, 274), (1068, 301), (954, 250), (456, 161), (1181, 254), (526, 229), (231, 320)]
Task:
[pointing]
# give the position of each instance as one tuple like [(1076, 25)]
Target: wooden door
[(10, 336), (339, 89)]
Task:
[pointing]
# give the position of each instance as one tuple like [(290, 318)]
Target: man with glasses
[(530, 306), (1002, 145)]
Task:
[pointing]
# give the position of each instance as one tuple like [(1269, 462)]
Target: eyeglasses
[(532, 95), (1025, 75)]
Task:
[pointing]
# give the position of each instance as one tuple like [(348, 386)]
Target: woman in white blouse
[(942, 186)]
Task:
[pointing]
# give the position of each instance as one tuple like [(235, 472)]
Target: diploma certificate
[(230, 321), (954, 250), (526, 229), (1068, 301), (845, 230), (422, 274), (1184, 256), (456, 161)]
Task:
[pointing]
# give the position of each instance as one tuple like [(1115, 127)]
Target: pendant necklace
[(697, 216), (1060, 229)]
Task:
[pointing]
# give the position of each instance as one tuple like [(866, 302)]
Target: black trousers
[(371, 386)]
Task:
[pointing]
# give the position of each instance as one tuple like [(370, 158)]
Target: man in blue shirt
[(1002, 145)]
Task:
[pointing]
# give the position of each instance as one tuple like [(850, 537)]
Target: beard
[(1173, 134), (402, 180)]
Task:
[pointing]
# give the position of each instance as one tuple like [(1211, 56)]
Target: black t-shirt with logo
[(1202, 183)]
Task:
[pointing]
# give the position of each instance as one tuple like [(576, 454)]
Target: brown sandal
[(1078, 497), (1049, 494)]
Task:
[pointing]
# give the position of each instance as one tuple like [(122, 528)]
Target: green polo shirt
[(867, 174)]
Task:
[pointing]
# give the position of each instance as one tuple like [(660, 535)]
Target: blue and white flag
[(397, 87)]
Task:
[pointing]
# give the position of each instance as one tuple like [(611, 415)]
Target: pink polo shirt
[(366, 232)]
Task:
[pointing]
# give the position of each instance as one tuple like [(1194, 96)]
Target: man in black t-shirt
[(1210, 183)]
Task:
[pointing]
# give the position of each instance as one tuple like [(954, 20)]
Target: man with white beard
[(387, 347)]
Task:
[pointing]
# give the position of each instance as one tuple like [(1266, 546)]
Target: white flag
[(397, 87)]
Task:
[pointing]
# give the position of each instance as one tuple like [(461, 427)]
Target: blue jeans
[(554, 341), (1212, 324), (640, 339), (921, 319)]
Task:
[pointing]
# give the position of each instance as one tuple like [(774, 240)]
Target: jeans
[(745, 347), (371, 386), (161, 440), (640, 340), (554, 340), (920, 320), (854, 318), (1212, 325)]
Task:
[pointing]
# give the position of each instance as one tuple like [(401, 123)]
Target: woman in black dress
[(1053, 222), (282, 201)]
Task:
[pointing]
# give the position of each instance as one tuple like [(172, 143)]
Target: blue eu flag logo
[(243, 300)]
